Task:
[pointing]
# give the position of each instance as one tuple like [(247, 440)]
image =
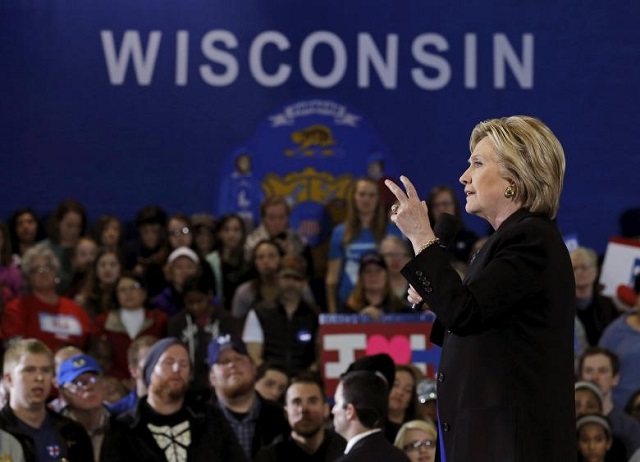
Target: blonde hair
[(424, 425), (530, 156), (22, 347), (585, 254)]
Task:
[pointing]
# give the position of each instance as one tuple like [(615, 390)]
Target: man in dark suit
[(359, 413)]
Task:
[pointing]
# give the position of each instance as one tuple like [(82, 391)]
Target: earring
[(510, 191)]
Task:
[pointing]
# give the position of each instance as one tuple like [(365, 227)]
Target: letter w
[(143, 64)]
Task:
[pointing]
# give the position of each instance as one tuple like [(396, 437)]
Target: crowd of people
[(196, 338)]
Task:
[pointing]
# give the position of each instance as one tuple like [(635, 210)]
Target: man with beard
[(255, 421), (307, 412), (284, 331), (166, 425)]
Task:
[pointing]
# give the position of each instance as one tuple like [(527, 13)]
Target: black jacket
[(78, 443), (212, 439), (505, 379), (375, 447)]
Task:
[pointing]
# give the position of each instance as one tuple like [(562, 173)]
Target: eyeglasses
[(42, 269), (132, 288), (76, 385), (170, 364), (178, 231), (415, 445)]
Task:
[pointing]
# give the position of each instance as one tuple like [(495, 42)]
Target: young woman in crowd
[(67, 224), (25, 230), (130, 320), (108, 232), (98, 295), (403, 400), (227, 261), (365, 225), (372, 294)]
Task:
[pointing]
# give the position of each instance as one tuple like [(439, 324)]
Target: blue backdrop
[(121, 103)]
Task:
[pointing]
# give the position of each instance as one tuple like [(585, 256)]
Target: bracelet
[(429, 243)]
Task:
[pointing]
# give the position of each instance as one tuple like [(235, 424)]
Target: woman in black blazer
[(505, 379)]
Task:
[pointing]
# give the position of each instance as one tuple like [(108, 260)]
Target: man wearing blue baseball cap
[(255, 421), (80, 384)]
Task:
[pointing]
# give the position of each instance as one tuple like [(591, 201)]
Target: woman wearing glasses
[(418, 439), (42, 313)]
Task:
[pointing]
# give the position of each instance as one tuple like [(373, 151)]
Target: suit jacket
[(505, 379), (374, 447)]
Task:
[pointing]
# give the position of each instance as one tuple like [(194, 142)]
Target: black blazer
[(505, 380), (372, 448)]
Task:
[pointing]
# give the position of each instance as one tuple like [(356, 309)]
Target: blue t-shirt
[(48, 443), (351, 253), (624, 341)]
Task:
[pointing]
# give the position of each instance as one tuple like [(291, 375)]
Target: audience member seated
[(372, 294), (255, 421), (272, 381), (43, 314), (204, 234), (594, 439), (43, 433), (359, 413), (266, 261), (418, 439), (67, 225), (181, 234), (365, 225), (427, 399), (98, 295), (82, 258), (108, 232), (129, 321), (227, 260), (285, 330), (589, 400), (25, 230), (198, 323), (182, 264), (59, 356), (594, 310), (147, 254), (136, 357), (442, 199), (402, 401), (10, 276), (168, 423), (79, 381), (622, 337), (307, 413), (274, 225), (602, 367), (396, 252), (633, 405)]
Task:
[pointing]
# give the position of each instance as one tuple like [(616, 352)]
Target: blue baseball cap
[(72, 368), (224, 343)]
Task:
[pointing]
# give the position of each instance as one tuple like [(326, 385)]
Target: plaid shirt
[(244, 429)]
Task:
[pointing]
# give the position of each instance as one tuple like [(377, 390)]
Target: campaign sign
[(346, 338), (621, 264)]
